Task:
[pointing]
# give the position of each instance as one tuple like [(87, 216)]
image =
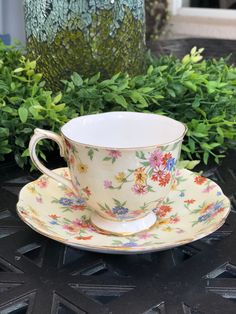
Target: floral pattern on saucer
[(194, 208)]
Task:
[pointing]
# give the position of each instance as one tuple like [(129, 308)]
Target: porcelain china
[(194, 208), (122, 163)]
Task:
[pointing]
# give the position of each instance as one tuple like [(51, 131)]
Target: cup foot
[(123, 228)]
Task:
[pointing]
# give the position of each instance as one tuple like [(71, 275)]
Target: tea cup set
[(122, 190)]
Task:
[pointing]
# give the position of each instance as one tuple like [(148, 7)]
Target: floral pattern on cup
[(154, 172), (155, 168), (112, 155)]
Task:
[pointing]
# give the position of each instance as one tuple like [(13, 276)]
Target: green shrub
[(25, 105), (200, 93)]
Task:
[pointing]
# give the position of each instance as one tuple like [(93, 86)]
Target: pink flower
[(179, 230), (70, 194), (144, 236), (178, 173), (69, 228), (139, 189), (80, 223), (42, 183), (209, 188), (87, 191), (107, 184), (155, 159), (77, 222), (39, 199), (174, 220), (114, 153)]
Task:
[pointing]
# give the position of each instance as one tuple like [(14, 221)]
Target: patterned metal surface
[(40, 276)]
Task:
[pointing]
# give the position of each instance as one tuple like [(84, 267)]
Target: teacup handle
[(39, 135)]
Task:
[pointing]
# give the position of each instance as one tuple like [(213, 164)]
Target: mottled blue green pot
[(86, 36)]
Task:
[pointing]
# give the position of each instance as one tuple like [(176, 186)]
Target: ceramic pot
[(85, 36)]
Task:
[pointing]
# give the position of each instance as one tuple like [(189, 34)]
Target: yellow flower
[(120, 177), (168, 229), (82, 168), (174, 185), (31, 189), (140, 176)]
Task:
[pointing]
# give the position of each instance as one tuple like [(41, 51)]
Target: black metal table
[(41, 276)]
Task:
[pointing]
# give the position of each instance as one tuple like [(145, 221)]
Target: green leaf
[(191, 144), (25, 153), (150, 70), (220, 131), (185, 148), (23, 114), (190, 85), (171, 92), (205, 157), (107, 158), (77, 80), (18, 70), (57, 98), (120, 100), (94, 79), (20, 142), (188, 164), (33, 64)]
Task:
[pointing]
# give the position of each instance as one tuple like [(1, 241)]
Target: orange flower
[(140, 176), (174, 185), (72, 159), (165, 158), (190, 201), (163, 210), (157, 175), (163, 181), (200, 180), (54, 216), (84, 238), (206, 208), (78, 207)]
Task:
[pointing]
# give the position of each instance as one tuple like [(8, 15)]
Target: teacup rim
[(132, 148)]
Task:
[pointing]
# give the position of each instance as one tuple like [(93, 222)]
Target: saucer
[(195, 207)]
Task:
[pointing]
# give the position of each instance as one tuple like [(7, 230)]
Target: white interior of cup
[(124, 130)]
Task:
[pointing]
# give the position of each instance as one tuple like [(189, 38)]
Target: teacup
[(121, 163)]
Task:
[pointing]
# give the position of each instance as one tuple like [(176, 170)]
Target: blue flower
[(53, 222), (78, 201), (181, 194), (170, 164), (130, 244), (219, 193), (204, 217), (218, 205), (120, 210), (65, 201)]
